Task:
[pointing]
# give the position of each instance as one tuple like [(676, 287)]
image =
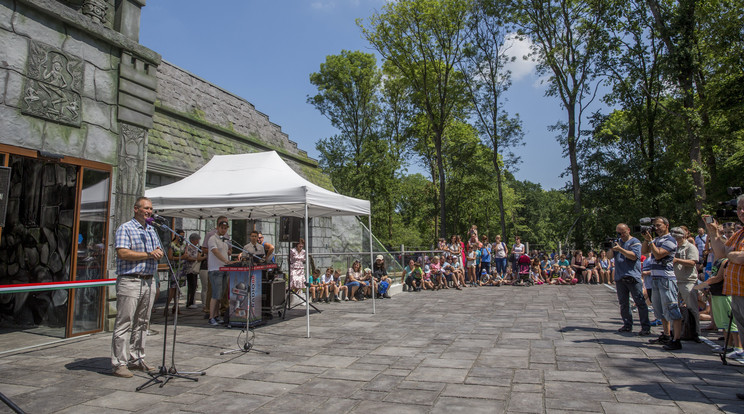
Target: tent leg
[(307, 271), (372, 261)]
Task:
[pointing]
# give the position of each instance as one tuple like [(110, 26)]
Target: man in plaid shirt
[(733, 271), (137, 254)]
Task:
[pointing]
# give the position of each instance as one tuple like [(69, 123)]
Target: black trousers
[(191, 280)]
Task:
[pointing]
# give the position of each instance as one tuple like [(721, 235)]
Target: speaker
[(4, 193), (289, 229), (273, 295)]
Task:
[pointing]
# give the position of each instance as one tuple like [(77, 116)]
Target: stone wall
[(63, 80)]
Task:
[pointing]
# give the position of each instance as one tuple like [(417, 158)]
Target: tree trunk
[(440, 169), (571, 141), (501, 192)]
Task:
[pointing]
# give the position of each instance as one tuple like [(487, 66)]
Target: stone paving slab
[(542, 349)]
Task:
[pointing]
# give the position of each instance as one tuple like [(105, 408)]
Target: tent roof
[(250, 186)]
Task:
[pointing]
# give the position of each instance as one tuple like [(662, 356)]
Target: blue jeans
[(665, 299), (382, 288), (500, 265), (634, 289)]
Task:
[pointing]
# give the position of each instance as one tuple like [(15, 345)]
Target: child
[(471, 265), (341, 288), (535, 272), (418, 275), (329, 285), (426, 282), (314, 288), (436, 273)]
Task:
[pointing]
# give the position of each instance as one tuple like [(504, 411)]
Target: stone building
[(88, 119)]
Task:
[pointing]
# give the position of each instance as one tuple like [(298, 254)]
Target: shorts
[(664, 298), (721, 309), (218, 280)]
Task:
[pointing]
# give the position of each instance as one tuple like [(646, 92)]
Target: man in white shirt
[(254, 248), (218, 257)]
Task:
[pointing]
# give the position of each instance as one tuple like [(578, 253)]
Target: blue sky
[(264, 51)]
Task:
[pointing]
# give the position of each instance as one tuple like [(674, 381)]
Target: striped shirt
[(733, 274), (664, 267), (138, 238)]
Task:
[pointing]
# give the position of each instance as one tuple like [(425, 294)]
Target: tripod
[(172, 372), (247, 344), (291, 292)]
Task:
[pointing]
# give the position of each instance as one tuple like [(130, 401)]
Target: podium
[(244, 294)]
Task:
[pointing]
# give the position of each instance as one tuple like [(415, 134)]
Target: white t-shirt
[(499, 250), (213, 263), (518, 249), (326, 278)]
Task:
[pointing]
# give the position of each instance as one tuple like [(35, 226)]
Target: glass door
[(90, 264)]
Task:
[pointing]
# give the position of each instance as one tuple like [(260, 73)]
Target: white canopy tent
[(255, 186)]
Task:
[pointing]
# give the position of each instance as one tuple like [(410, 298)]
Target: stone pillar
[(127, 18), (136, 106)]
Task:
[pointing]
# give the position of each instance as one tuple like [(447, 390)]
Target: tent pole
[(307, 269), (372, 261)]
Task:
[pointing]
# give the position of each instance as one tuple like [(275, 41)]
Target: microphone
[(158, 218)]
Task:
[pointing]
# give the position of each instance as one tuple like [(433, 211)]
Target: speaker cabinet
[(289, 229)]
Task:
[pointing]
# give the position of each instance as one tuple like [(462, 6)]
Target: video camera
[(727, 208), (644, 226)]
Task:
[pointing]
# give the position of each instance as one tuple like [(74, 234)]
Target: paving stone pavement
[(540, 349)]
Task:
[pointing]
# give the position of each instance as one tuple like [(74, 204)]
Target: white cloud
[(519, 48), (322, 5)]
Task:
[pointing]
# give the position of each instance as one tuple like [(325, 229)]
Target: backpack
[(689, 325)]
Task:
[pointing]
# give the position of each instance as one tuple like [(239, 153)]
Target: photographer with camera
[(627, 252), (665, 297)]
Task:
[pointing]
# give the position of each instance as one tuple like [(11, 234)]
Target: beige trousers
[(134, 300)]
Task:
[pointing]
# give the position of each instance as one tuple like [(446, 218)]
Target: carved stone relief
[(96, 10), (53, 85), (131, 175)]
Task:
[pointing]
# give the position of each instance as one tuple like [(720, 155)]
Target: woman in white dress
[(297, 266)]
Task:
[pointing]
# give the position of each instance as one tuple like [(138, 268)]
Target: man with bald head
[(627, 252)]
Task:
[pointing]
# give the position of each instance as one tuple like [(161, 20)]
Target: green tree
[(568, 40), (487, 80), (348, 86), (424, 40)]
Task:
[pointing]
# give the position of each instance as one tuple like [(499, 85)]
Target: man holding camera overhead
[(627, 252), (733, 272)]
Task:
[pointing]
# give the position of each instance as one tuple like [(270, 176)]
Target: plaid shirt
[(733, 274), (136, 237)]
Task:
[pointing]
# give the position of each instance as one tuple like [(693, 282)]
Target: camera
[(609, 242), (644, 226)]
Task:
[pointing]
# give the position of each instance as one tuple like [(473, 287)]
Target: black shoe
[(673, 345), (740, 396), (386, 296), (662, 340), (644, 333), (625, 329)]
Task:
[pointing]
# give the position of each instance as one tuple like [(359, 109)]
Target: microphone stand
[(247, 345), (172, 372)]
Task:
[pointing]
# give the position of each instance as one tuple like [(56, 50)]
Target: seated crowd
[(357, 285), (482, 263)]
